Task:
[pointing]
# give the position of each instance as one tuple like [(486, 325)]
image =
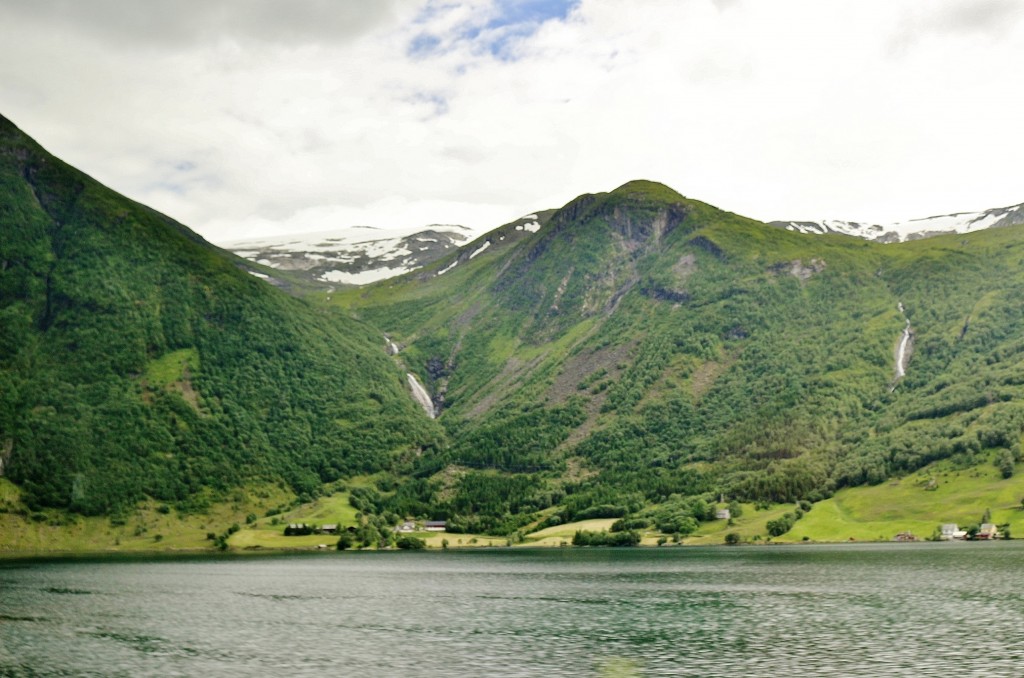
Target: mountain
[(137, 360), (914, 229), (355, 256), (644, 353), (635, 355)]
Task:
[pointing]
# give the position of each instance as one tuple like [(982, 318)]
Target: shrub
[(408, 543), (624, 524), (587, 538), (781, 526), (1004, 462), (601, 511)]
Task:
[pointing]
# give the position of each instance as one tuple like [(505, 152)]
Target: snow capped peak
[(356, 255), (912, 229)]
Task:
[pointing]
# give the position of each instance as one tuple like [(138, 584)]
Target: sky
[(251, 118)]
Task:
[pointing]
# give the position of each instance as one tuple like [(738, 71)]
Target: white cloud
[(249, 123)]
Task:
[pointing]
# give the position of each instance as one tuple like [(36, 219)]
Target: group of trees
[(740, 367), (589, 538), (136, 360)]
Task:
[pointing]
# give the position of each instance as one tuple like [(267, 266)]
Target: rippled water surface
[(872, 610)]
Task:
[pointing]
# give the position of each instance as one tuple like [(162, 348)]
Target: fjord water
[(844, 610)]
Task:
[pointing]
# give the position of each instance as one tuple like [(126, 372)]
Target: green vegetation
[(410, 543), (943, 492), (628, 538), (641, 362), (137, 361), (644, 346)]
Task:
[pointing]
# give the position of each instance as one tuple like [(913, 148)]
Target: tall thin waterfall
[(903, 348), (421, 395)]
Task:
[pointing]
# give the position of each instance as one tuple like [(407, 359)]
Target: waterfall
[(392, 346), (421, 395), (902, 355), (901, 352)]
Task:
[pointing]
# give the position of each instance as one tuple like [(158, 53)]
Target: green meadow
[(917, 503)]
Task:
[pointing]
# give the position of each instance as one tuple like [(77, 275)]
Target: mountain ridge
[(638, 355), (680, 362), (136, 359), (326, 259), (912, 229), (358, 255)]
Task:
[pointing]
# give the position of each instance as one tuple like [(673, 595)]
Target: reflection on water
[(866, 610)]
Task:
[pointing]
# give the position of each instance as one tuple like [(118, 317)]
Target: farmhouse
[(435, 525), (299, 529), (950, 531), (987, 531)]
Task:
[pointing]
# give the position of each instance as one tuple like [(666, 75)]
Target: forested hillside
[(138, 360), (644, 349), (635, 355)]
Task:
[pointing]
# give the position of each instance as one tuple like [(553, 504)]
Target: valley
[(636, 358)]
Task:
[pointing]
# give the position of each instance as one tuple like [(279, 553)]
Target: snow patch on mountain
[(479, 250), (353, 256), (448, 267), (912, 229), (362, 277)]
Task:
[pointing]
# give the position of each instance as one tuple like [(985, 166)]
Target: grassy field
[(750, 526), (268, 532), (151, 527), (881, 511), (435, 540), (562, 534), (917, 503)]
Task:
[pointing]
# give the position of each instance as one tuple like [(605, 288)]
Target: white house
[(950, 531)]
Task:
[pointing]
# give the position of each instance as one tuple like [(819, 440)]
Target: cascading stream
[(903, 348), (421, 395)]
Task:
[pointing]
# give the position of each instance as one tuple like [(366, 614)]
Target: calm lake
[(844, 610)]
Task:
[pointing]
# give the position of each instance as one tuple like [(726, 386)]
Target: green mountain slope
[(639, 356), (644, 349), (138, 360)]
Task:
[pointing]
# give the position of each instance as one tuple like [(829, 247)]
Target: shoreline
[(18, 555)]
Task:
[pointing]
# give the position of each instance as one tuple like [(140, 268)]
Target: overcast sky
[(255, 117)]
